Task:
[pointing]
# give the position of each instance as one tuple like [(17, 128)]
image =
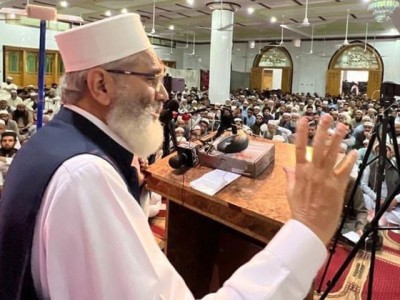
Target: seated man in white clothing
[(91, 239)]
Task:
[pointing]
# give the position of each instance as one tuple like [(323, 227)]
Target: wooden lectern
[(209, 237)]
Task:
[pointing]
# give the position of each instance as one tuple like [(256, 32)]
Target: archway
[(272, 69), (355, 60)]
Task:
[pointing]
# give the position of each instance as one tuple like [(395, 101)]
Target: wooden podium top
[(257, 207)]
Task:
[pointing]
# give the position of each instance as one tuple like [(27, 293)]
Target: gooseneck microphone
[(165, 118), (186, 152)]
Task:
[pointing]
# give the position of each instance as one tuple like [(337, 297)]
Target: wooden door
[(333, 82), (266, 81), (374, 84), (256, 78), (50, 69), (31, 67), (286, 85), (13, 66)]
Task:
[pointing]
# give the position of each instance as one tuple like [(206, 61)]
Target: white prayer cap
[(194, 102), (211, 115), (2, 122), (366, 118), (260, 115), (325, 102), (257, 107), (368, 124), (197, 127), (238, 120), (273, 122), (179, 129), (99, 42), (264, 127), (3, 112), (9, 78), (285, 114), (295, 114), (205, 120)]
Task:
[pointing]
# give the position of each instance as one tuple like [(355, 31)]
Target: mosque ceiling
[(328, 17)]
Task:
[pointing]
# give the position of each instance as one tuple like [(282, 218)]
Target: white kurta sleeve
[(92, 241)]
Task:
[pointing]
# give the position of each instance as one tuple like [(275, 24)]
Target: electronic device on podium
[(250, 161)]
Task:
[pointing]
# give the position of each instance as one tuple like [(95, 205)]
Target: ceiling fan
[(305, 22), (312, 41), (153, 29), (187, 42), (193, 53)]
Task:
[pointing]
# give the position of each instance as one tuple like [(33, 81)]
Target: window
[(31, 62), (357, 57), (274, 57), (49, 63), (14, 60)]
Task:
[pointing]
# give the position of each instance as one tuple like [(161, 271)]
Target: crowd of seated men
[(18, 108), (269, 114), (21, 105), (274, 116)]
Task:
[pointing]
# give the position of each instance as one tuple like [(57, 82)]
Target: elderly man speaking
[(71, 226)]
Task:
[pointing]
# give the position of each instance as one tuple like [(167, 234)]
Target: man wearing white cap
[(14, 99), (8, 85), (77, 230)]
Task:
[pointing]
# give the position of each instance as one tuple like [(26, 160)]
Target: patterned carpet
[(157, 225), (353, 284)]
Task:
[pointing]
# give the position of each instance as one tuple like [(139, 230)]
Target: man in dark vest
[(71, 226)]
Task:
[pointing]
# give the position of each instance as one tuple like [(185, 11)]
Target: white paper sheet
[(213, 181), (352, 236)]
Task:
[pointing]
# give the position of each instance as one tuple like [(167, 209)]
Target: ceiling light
[(250, 10), (252, 44), (171, 27), (383, 9), (63, 3), (124, 11), (108, 13), (273, 20), (190, 2)]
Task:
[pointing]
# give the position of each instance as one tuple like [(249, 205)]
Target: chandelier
[(382, 9)]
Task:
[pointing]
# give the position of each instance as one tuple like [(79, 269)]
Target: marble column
[(221, 50)]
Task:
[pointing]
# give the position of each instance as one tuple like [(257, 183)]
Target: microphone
[(187, 156), (167, 113)]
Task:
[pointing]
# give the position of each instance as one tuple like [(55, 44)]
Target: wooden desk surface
[(257, 207)]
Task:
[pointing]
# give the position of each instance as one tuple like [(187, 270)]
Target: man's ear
[(100, 85)]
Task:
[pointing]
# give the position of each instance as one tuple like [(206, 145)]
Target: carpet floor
[(353, 284)]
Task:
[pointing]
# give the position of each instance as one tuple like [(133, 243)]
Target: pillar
[(221, 50)]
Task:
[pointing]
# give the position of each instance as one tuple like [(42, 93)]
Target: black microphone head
[(172, 105), (177, 161), (169, 107)]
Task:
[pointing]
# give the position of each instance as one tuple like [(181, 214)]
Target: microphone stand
[(371, 230)]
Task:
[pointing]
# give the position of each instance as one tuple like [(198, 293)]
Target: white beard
[(131, 119)]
